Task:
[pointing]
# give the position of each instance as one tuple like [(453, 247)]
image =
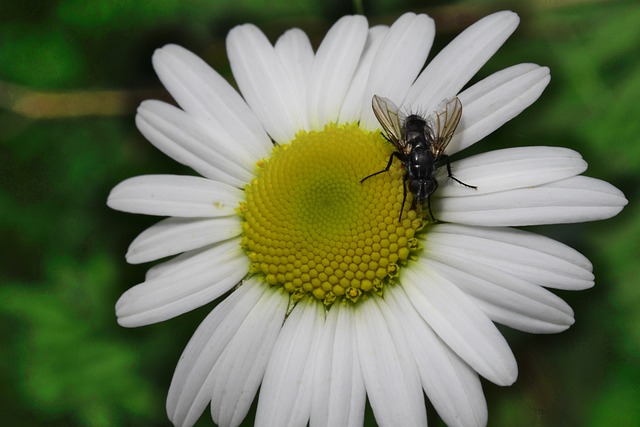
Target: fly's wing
[(444, 123), (391, 120)]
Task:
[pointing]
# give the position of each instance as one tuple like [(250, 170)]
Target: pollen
[(311, 227)]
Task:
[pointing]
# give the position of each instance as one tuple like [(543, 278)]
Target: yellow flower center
[(310, 226)]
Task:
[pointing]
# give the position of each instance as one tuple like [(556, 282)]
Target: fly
[(420, 143)]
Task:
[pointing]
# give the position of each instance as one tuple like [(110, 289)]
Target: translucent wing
[(444, 123), (391, 120)]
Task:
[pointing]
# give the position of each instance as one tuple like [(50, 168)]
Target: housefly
[(420, 143)]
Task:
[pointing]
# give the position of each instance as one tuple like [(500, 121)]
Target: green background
[(71, 75)]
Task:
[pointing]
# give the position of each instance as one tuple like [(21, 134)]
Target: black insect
[(420, 143)]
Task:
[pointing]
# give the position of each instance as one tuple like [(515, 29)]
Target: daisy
[(330, 298)]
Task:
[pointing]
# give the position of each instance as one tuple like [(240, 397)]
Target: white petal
[(189, 140), (460, 324), (296, 54), (175, 195), (339, 393), (186, 401), (287, 388), (390, 374), (454, 66), (505, 298), (202, 92), (173, 264), (201, 279), (452, 386), (397, 63), (323, 375), (509, 169), (192, 384), (333, 68), (576, 199), (239, 371), (492, 102), (352, 104), (172, 236), (526, 255), (264, 83)]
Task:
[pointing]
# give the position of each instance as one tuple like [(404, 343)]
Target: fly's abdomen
[(421, 164)]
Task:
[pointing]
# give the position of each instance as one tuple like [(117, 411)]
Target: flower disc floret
[(311, 227)]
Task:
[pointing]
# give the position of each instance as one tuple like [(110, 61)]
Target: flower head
[(340, 289)]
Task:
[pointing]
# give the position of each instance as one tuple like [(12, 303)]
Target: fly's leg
[(404, 196), (433, 218), (396, 154), (404, 182), (445, 158)]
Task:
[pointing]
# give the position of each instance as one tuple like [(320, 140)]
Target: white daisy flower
[(335, 296)]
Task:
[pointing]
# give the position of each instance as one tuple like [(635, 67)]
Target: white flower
[(338, 299)]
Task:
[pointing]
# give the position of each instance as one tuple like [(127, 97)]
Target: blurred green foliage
[(64, 359), (68, 362), (32, 55)]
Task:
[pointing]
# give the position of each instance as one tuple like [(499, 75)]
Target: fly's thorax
[(415, 131)]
